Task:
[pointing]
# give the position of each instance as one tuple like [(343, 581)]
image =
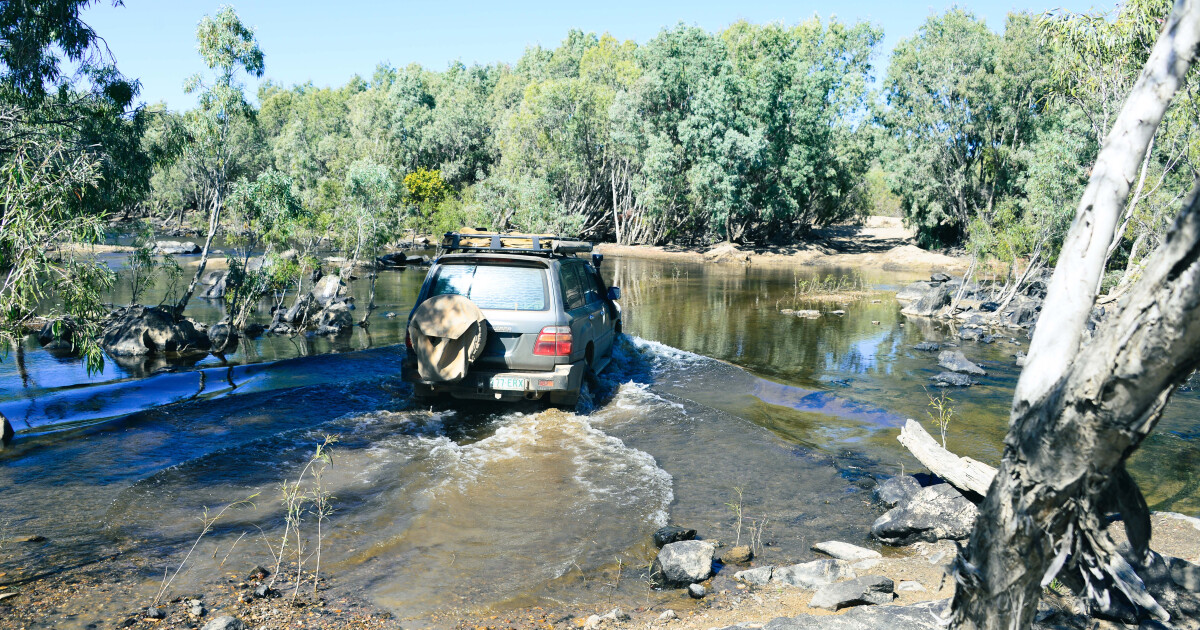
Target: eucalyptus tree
[(263, 215), (366, 223), (227, 46)]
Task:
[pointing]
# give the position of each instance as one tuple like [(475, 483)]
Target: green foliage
[(425, 186)]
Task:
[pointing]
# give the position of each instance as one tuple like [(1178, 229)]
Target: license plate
[(508, 383)]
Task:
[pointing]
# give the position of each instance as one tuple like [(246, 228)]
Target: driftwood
[(963, 473)]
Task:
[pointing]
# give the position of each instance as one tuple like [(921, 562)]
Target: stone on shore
[(928, 346), (758, 576), (951, 379), (955, 361), (224, 622), (679, 564), (696, 591), (933, 301), (869, 589), (896, 490), (740, 554), (176, 247), (811, 575), (845, 551), (914, 291), (139, 330), (933, 513), (671, 533), (922, 616)]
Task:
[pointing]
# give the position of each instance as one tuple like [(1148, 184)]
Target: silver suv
[(549, 316)]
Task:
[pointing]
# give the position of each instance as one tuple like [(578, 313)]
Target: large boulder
[(896, 490), (682, 563), (869, 589), (922, 616), (58, 334), (929, 304), (914, 291), (396, 259), (758, 576), (140, 330), (811, 575), (214, 285), (933, 513), (308, 309), (334, 318), (954, 360), (328, 289), (222, 338), (176, 247)]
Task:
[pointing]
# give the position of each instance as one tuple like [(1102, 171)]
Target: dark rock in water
[(155, 612), (970, 334), (696, 591), (6, 432), (896, 490), (255, 330), (987, 339), (939, 277), (740, 554), (334, 319), (930, 303), (811, 575), (176, 247), (224, 623), (922, 616), (914, 291), (989, 307), (259, 572), (933, 513), (951, 379), (138, 330), (215, 282), (869, 589), (262, 591), (222, 338), (397, 259), (671, 533), (954, 360), (62, 339), (679, 564), (928, 346)]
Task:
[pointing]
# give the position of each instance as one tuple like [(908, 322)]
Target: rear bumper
[(478, 383)]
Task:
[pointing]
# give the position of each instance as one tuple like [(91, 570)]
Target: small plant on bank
[(736, 508), (942, 412), (208, 520), (307, 496)]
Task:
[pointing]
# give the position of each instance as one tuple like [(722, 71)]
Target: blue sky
[(328, 42)]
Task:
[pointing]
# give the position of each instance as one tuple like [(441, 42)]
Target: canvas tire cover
[(448, 334)]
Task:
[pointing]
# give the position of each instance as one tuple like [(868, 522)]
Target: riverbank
[(880, 243)]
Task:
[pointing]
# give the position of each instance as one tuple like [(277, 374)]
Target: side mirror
[(614, 294)]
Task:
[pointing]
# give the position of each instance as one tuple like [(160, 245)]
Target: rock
[(334, 318), (950, 379), (740, 554), (196, 609), (939, 277), (593, 623), (328, 289), (845, 551), (667, 615), (954, 360), (863, 565), (896, 490), (155, 612), (26, 538), (176, 247), (670, 534), (787, 311), (987, 339), (222, 338), (397, 259), (262, 591), (758, 576), (933, 513), (808, 313), (389, 314), (1184, 573), (6, 432), (62, 339), (810, 575), (970, 334), (840, 311), (681, 563), (922, 616), (869, 589), (910, 586), (989, 307), (254, 330), (216, 289), (224, 622), (914, 291), (726, 252), (696, 591), (1020, 356), (259, 572), (138, 331), (930, 303), (928, 346)]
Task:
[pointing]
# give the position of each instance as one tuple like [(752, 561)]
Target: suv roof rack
[(538, 244)]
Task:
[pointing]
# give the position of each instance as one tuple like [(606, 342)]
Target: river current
[(715, 402)]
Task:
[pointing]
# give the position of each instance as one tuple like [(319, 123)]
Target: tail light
[(553, 341)]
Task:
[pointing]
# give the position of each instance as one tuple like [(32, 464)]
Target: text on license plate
[(508, 383)]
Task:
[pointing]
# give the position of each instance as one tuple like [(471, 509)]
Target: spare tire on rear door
[(448, 334)]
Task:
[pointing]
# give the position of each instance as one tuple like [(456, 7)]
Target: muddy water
[(714, 400)]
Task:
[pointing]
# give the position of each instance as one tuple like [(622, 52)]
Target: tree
[(366, 224), (262, 215), (1080, 410), (226, 45)]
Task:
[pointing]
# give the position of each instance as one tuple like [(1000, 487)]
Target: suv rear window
[(494, 286)]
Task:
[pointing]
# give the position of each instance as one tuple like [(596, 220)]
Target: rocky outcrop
[(140, 330), (896, 490), (334, 318), (682, 563), (931, 514), (176, 247), (955, 361), (326, 307), (869, 589), (929, 304), (810, 575)]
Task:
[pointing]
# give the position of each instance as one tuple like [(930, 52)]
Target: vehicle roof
[(525, 258)]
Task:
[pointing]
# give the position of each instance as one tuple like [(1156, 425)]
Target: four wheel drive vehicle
[(511, 317)]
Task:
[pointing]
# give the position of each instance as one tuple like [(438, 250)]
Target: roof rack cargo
[(469, 240)]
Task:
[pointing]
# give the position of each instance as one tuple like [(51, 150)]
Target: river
[(715, 402)]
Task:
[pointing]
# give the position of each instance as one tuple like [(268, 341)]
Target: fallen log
[(963, 473)]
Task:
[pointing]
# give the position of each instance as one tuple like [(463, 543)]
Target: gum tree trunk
[(1079, 413)]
